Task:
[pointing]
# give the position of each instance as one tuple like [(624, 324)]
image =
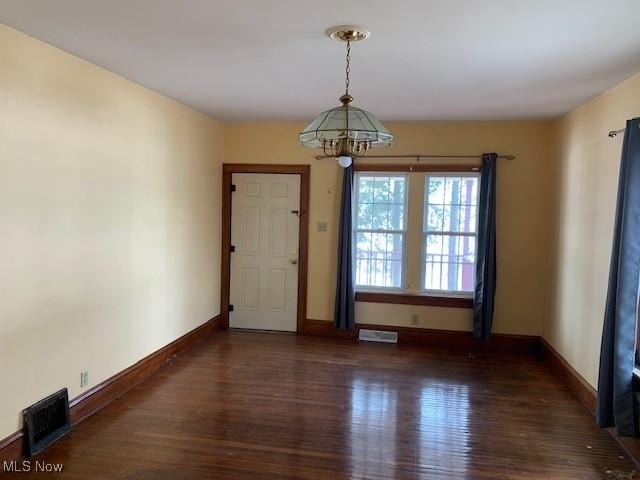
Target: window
[(449, 232), (421, 247), (380, 228)]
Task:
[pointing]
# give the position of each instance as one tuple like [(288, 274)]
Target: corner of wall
[(583, 167)]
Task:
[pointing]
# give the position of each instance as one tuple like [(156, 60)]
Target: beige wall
[(523, 227), (585, 166), (110, 212), (109, 222)]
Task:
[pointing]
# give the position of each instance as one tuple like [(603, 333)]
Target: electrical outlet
[(415, 319), (322, 226), (84, 378)]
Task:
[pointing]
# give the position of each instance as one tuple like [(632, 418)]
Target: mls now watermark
[(17, 466)]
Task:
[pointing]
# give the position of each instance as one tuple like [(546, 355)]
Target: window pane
[(451, 214), (466, 220), (435, 218), (469, 191), (452, 191), (362, 271), (365, 189), (380, 213), (396, 217), (381, 190), (450, 207), (379, 259), (435, 190), (380, 225), (449, 262), (457, 218), (394, 273), (395, 246), (365, 216), (363, 244), (434, 245), (397, 190)]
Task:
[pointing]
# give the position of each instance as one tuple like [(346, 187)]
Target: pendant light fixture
[(346, 132)]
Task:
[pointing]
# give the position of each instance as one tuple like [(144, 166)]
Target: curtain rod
[(613, 133), (418, 156)]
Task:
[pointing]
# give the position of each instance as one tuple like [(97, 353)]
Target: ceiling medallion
[(346, 132)]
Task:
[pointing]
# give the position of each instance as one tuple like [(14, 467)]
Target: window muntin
[(380, 230), (449, 232)]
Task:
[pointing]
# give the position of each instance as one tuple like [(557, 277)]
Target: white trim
[(447, 293), (378, 230), (379, 289), (450, 234)]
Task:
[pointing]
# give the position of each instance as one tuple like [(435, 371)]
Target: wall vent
[(46, 421), (378, 336)]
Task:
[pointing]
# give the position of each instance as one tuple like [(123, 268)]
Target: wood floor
[(275, 406)]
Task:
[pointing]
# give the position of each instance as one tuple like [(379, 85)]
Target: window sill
[(414, 299)]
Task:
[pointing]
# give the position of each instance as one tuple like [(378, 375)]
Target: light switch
[(322, 226)]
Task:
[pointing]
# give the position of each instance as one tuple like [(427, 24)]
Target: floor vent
[(378, 336), (46, 421)]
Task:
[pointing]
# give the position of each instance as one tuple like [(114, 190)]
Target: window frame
[(423, 253), (405, 223)]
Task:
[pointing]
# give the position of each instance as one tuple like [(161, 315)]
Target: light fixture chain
[(348, 68), (338, 131)]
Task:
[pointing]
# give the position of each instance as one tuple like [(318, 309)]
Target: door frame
[(228, 169)]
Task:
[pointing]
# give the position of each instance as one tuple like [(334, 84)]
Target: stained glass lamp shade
[(346, 130)]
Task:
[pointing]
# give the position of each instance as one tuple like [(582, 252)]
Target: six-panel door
[(264, 265)]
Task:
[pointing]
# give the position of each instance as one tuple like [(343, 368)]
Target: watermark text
[(17, 466)]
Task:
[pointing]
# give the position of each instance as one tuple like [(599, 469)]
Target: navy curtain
[(617, 354), (485, 290), (344, 314)]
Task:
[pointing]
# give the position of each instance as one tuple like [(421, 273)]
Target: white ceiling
[(252, 60)]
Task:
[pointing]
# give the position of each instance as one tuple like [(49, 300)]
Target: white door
[(264, 265)]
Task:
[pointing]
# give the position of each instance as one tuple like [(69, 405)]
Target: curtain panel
[(616, 405), (344, 314), (485, 288)]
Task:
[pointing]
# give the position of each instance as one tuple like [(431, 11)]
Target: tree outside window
[(449, 231)]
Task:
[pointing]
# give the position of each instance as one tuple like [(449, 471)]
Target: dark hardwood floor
[(274, 406)]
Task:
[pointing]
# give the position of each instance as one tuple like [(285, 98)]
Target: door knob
[(293, 260)]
